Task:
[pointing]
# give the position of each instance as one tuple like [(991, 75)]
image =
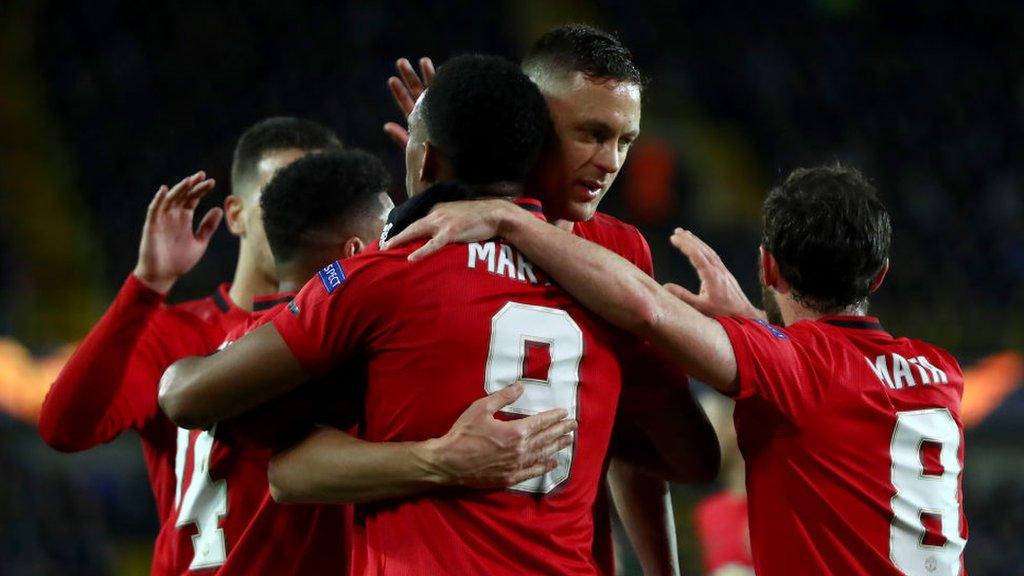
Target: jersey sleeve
[(642, 251), (92, 401), (775, 368), (340, 311)]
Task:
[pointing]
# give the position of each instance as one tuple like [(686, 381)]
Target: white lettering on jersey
[(901, 376), (502, 260)]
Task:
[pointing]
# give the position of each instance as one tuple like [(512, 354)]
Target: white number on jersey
[(542, 348), (204, 503), (925, 537)]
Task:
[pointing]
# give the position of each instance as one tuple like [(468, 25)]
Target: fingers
[(411, 79), (400, 93), (686, 243), (156, 203), (498, 400), (183, 187), (432, 245), (193, 196), (427, 70), (533, 471), (414, 231), (682, 293), (540, 422), (398, 134), (551, 435), (209, 225)]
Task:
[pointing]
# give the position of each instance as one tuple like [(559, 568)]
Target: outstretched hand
[(481, 451), (406, 88), (169, 246), (720, 294), (452, 222)]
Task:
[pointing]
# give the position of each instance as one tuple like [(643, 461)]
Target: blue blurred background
[(104, 101)]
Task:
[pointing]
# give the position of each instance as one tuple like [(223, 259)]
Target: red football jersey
[(724, 532), (226, 521), (438, 335), (110, 383), (853, 446), (626, 241)]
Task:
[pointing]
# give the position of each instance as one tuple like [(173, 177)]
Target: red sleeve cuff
[(744, 367), (133, 290)]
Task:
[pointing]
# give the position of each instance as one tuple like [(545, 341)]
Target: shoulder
[(217, 308), (617, 236), (607, 226)]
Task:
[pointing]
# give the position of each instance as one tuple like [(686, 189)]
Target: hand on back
[(480, 451)]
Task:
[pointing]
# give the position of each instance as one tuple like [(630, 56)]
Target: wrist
[(505, 221), (429, 456), (152, 281)]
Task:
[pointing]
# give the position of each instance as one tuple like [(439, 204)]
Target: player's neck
[(793, 311), (249, 282)]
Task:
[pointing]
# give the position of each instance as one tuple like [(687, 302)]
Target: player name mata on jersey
[(895, 371), (503, 260)]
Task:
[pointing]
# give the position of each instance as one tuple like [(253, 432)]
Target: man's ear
[(770, 272), (352, 246), (431, 168), (876, 282), (233, 208)]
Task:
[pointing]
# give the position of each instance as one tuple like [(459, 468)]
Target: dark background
[(104, 101)]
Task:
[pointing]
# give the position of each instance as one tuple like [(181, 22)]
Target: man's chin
[(580, 211)]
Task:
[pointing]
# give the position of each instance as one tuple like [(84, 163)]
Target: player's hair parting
[(320, 193), (600, 56), (487, 118), (829, 233), (273, 135)]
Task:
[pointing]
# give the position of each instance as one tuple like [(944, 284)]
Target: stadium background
[(102, 102)]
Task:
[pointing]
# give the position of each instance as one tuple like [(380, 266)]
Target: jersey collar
[(533, 206), (854, 322), (262, 303), (222, 298), (420, 205)]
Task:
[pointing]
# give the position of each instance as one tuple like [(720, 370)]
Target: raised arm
[(601, 280), (199, 391), (97, 394), (478, 451)]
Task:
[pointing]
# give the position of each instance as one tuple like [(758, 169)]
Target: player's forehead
[(576, 100)]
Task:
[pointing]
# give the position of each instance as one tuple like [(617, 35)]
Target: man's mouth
[(589, 189)]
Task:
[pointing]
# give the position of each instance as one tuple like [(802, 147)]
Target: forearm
[(198, 392), (624, 296), (644, 505), (334, 467), (79, 410)]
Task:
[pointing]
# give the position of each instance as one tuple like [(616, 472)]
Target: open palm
[(170, 247)]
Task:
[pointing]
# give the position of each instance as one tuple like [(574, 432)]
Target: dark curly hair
[(319, 192), (582, 48), (271, 135), (487, 118), (829, 233)]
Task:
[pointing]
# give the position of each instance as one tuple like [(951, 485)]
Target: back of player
[(871, 449), (440, 334), (320, 206), (225, 517), (852, 438)]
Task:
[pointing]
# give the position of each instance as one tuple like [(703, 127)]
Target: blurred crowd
[(106, 101)]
